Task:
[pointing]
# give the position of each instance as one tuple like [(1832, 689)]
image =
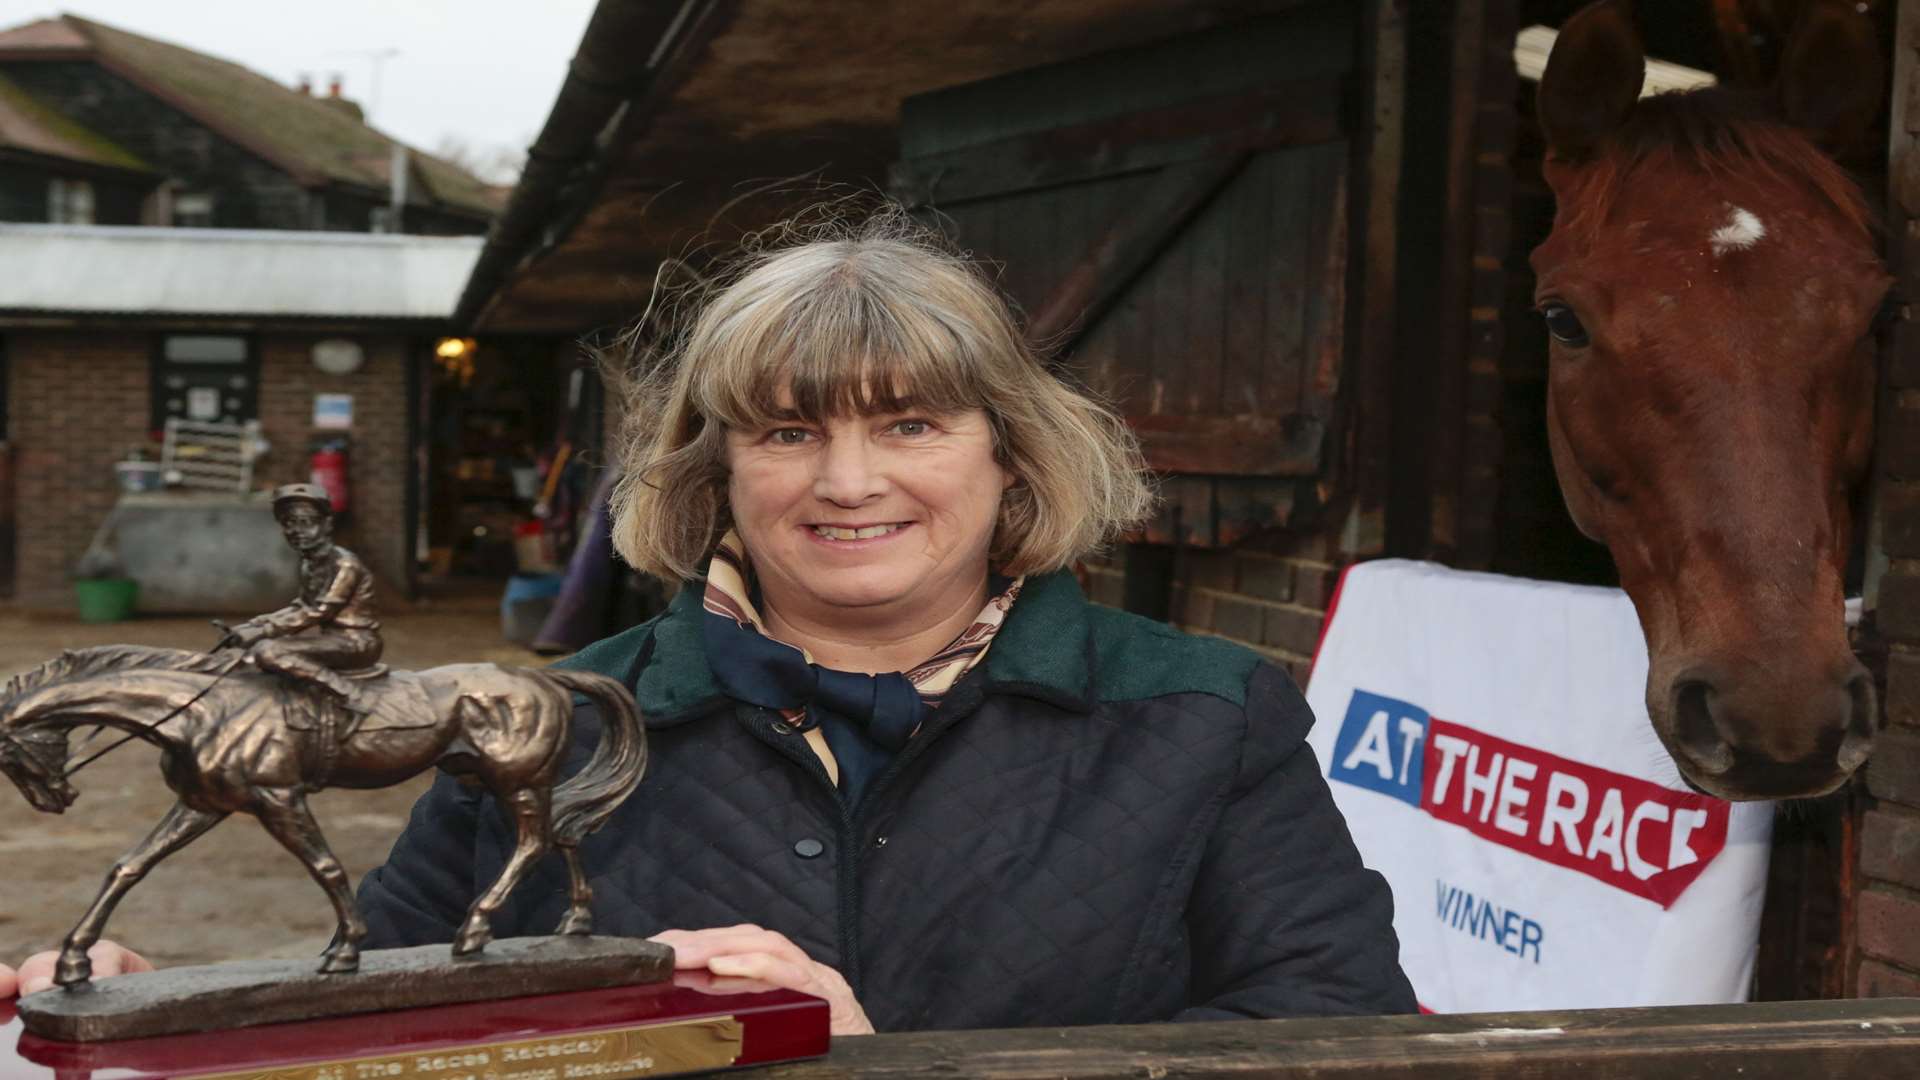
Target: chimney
[(334, 82), (306, 83)]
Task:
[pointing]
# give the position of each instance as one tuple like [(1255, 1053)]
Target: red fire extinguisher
[(329, 466)]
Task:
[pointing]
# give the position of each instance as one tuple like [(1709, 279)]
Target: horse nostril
[(1863, 721), (1694, 729)]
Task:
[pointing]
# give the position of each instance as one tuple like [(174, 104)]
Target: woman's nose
[(849, 472)]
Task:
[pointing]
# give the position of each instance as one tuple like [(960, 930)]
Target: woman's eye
[(1563, 324), (913, 427), (789, 436)]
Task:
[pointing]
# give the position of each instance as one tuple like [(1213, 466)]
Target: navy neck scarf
[(866, 719)]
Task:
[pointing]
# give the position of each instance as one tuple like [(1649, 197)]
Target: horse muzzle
[(1803, 739)]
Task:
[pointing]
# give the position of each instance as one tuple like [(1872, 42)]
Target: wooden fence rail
[(1800, 1040)]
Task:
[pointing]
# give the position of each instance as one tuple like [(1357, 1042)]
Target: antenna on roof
[(377, 60)]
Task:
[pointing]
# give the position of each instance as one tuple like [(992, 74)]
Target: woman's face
[(881, 514)]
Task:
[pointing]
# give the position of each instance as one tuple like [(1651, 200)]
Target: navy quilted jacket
[(1107, 821)]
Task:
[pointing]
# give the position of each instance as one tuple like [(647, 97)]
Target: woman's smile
[(854, 536)]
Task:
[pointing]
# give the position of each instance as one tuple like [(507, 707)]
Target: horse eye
[(1563, 324)]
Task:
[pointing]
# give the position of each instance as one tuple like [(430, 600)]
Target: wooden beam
[(1296, 113), (1775, 1041), (1125, 249), (1368, 438), (1231, 445)]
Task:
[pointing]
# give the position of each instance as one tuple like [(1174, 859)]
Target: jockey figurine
[(329, 627)]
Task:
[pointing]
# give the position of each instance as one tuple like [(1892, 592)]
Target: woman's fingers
[(109, 958), (846, 1017), (36, 972), (112, 958), (748, 959), (9, 982), (693, 948)]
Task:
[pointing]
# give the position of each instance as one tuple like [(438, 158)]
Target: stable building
[(150, 133), (105, 333), (1289, 238)]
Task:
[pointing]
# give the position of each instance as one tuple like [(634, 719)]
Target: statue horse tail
[(584, 802)]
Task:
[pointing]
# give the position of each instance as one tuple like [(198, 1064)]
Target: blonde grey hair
[(874, 319)]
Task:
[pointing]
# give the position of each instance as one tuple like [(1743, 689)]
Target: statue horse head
[(40, 709), (1711, 284)]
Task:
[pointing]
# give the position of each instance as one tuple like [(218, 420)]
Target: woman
[(898, 760)]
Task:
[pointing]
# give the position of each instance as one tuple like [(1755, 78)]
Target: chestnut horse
[(1710, 284)]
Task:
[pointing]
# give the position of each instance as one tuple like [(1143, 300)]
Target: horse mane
[(1716, 130), (80, 663)]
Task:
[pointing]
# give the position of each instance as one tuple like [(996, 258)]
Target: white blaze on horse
[(1711, 284)]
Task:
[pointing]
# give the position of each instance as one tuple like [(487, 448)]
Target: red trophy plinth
[(658, 1029)]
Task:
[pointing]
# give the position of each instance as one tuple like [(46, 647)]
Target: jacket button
[(879, 841), (808, 848)]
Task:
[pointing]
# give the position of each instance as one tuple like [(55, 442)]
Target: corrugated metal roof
[(135, 270)]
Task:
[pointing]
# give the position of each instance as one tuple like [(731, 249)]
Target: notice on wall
[(333, 412), (1487, 740), (203, 403)]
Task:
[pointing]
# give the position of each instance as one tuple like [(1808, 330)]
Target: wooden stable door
[(1174, 220)]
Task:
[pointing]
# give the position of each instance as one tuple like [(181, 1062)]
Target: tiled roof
[(26, 124), (304, 135)]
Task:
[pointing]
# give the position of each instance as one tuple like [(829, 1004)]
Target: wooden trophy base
[(656, 1029), (244, 993)]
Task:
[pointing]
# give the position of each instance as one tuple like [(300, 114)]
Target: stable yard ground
[(234, 893)]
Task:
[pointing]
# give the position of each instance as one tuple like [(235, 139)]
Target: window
[(69, 202), (193, 210), (205, 377)]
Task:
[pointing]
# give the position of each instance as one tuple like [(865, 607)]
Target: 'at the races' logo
[(1630, 833)]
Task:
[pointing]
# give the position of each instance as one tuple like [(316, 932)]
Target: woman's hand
[(748, 958), (36, 972)]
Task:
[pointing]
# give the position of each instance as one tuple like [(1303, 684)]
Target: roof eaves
[(570, 146)]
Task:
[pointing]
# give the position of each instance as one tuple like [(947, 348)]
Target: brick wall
[(1886, 929), (377, 527), (79, 402), (1888, 921), (1270, 596)]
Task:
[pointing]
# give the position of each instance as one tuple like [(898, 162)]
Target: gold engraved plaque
[(608, 1054)]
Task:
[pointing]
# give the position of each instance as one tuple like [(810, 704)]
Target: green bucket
[(105, 599)]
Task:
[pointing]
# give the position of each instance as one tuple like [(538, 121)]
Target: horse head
[(40, 708), (1710, 285), (36, 762)]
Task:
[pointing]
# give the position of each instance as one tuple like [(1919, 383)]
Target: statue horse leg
[(579, 917), (176, 830), (284, 813), (531, 808)]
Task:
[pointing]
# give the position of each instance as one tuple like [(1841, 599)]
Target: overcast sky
[(485, 71)]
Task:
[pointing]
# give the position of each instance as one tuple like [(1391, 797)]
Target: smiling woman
[(899, 760)]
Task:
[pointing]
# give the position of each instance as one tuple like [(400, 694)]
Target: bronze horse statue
[(255, 743), (1711, 286)]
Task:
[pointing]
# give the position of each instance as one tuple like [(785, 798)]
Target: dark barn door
[(1174, 220)]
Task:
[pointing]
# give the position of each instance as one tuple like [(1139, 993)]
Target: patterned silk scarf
[(862, 719)]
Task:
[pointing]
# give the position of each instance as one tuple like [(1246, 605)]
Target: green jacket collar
[(1043, 650)]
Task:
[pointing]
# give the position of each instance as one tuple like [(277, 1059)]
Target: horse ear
[(1831, 79), (1593, 77)]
